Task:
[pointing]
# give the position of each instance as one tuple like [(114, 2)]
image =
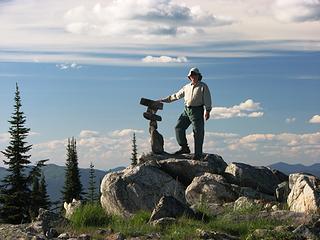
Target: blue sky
[(82, 67)]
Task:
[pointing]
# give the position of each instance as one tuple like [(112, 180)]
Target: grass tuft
[(90, 215)]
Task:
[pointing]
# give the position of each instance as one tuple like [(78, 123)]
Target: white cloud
[(88, 133), (114, 149), (64, 66), (125, 132), (164, 59), (297, 10), (4, 137), (290, 120), (104, 150), (249, 109), (315, 119), (143, 18), (114, 26)]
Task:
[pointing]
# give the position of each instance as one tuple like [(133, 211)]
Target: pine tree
[(35, 198), (92, 195), (15, 193), (134, 153), (44, 197), (72, 186)]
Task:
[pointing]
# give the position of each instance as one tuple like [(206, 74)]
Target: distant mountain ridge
[(54, 175), (293, 168)]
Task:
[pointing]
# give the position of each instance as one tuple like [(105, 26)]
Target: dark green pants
[(194, 116)]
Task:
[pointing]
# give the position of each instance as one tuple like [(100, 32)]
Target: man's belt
[(194, 106)]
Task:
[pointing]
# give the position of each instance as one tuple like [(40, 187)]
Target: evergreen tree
[(92, 195), (44, 197), (35, 198), (15, 193), (134, 153), (72, 186)]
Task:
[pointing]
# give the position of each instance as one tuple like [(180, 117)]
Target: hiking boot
[(183, 150)]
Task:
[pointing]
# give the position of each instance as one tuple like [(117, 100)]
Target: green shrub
[(90, 215)]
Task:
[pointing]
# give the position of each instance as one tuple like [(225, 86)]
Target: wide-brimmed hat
[(196, 71)]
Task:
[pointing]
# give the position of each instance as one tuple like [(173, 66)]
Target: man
[(197, 99)]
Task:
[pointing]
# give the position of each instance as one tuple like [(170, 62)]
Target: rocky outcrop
[(210, 188), (210, 181), (138, 188), (185, 170), (305, 193), (262, 179)]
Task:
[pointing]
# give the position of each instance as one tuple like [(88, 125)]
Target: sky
[(82, 67)]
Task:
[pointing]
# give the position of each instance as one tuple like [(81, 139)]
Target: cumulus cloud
[(297, 10), (249, 109), (142, 18), (105, 150), (125, 132), (164, 59), (4, 137), (290, 120), (64, 66), (108, 150), (88, 133), (315, 119)]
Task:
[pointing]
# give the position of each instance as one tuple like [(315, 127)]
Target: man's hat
[(195, 71)]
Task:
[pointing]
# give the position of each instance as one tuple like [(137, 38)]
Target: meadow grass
[(90, 217)]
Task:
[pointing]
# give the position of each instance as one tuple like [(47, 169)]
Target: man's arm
[(174, 97), (207, 102)]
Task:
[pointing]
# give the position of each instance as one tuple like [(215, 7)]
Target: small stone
[(119, 236), (37, 238), (105, 231), (215, 235), (84, 237), (275, 208), (52, 233), (63, 236), (153, 236), (243, 203), (268, 206), (163, 222), (71, 207)]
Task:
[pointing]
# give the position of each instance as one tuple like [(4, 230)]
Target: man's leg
[(198, 130), (181, 127)]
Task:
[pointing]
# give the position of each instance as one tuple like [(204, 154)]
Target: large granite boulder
[(137, 188), (210, 188), (262, 179), (185, 170), (305, 193)]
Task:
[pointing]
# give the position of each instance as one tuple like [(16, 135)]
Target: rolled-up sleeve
[(207, 98), (175, 96)]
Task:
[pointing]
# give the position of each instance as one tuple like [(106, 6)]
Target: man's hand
[(206, 115)]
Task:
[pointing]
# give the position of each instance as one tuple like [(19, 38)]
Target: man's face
[(194, 77)]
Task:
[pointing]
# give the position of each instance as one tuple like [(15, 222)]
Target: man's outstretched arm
[(173, 97)]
